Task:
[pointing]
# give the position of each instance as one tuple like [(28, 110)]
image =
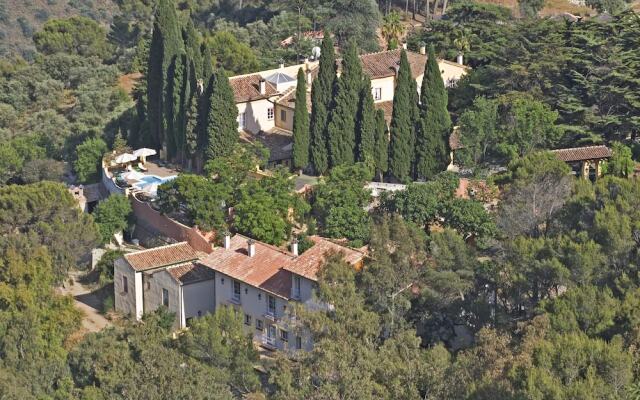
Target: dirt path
[(86, 301)]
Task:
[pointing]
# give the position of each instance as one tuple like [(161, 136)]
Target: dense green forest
[(535, 298)]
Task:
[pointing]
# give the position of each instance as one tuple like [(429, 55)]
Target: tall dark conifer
[(401, 147), (192, 40), (166, 43), (321, 97), (222, 119), (341, 130), (155, 89), (434, 122), (381, 149), (207, 63), (365, 123), (301, 124), (173, 104)]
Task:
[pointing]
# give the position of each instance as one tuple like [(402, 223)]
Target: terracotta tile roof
[(161, 256), (263, 270), (387, 108), (288, 99), (308, 264), (583, 153), (384, 63), (247, 88), (278, 141), (191, 273)]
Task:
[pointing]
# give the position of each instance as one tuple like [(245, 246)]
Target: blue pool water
[(152, 180)]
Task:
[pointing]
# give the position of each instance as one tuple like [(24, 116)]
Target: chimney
[(404, 45), (252, 247), (423, 49), (294, 246), (460, 59), (263, 86), (227, 240), (281, 64)]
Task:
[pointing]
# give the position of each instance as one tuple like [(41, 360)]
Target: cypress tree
[(381, 150), (301, 124), (341, 130), (185, 97), (174, 104), (365, 122), (191, 131), (192, 40), (166, 43), (207, 66), (435, 123), (401, 151), (321, 97), (222, 120), (155, 88)]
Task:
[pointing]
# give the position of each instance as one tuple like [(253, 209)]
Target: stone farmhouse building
[(266, 99), (262, 282)]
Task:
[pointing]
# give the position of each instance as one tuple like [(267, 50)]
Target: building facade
[(261, 282)]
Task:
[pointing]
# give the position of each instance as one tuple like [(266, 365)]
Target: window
[(236, 291), (298, 343), (125, 284), (222, 281), (247, 319), (377, 93), (271, 305), (296, 287), (148, 285), (283, 115), (241, 120), (284, 335), (259, 296), (270, 114), (259, 325), (165, 297)]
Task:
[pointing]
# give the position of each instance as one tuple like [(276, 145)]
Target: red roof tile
[(308, 264), (383, 64), (583, 153), (263, 270), (247, 88), (191, 273), (161, 256)]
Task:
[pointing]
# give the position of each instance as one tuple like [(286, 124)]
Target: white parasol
[(125, 158), (143, 153)]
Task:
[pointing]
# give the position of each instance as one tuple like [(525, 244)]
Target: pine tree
[(321, 97), (435, 123), (341, 130), (222, 120), (365, 123), (381, 150), (301, 124), (207, 66), (401, 147)]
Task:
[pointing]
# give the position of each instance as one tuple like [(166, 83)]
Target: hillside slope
[(19, 19)]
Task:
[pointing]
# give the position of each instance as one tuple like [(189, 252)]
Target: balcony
[(271, 315), (269, 342)]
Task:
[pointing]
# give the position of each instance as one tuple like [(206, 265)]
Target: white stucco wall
[(153, 286), (387, 86), (256, 118), (284, 124), (129, 303), (253, 302), (198, 298)]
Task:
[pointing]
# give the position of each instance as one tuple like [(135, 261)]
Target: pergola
[(585, 158)]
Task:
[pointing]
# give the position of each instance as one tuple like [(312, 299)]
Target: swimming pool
[(150, 183)]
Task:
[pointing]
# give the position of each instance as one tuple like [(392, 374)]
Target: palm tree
[(392, 29), (461, 42)]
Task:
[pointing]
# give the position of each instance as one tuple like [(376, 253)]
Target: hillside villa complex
[(260, 281), (266, 99)]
